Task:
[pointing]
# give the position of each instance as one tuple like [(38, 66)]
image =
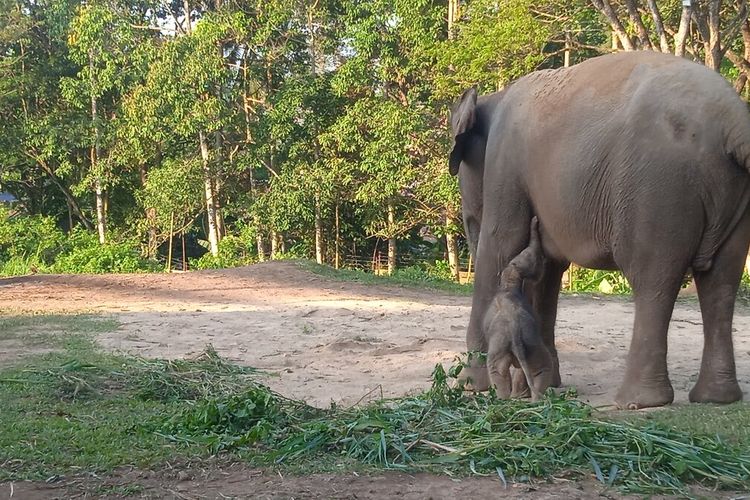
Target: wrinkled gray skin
[(636, 161), (511, 329)]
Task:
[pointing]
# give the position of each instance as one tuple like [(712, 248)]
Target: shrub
[(233, 252), (27, 242), (84, 254), (589, 280)]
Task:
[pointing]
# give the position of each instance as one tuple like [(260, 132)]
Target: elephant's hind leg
[(646, 382), (717, 290)]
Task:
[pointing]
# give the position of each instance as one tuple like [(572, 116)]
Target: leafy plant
[(589, 280), (27, 242), (233, 252), (446, 428)]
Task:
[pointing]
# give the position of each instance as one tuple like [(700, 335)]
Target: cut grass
[(83, 410), (444, 430)]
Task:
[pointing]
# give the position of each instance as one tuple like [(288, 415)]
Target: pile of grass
[(447, 430)]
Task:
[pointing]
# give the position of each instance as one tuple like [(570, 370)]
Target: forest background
[(143, 135)]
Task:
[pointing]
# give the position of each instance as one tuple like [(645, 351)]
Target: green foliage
[(87, 255), (588, 280), (447, 429), (437, 272), (35, 244), (495, 42), (304, 119), (233, 252), (26, 242)]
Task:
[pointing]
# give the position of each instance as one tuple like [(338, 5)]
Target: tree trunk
[(261, 246), (606, 9), (274, 244), (452, 247), (337, 258), (171, 242), (391, 238), (682, 32), (714, 55), (208, 189), (186, 8), (635, 18), (70, 216), (454, 15), (150, 213), (566, 60), (746, 44), (659, 26), (319, 248), (313, 53), (101, 221)]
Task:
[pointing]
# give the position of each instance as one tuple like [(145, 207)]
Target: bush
[(589, 280), (426, 272), (441, 269), (84, 254), (27, 243), (233, 252)]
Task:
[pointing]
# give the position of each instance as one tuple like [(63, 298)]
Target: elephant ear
[(462, 121)]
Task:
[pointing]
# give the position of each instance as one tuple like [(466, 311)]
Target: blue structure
[(7, 198)]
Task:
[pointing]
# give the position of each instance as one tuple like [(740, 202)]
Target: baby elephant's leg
[(520, 385), (499, 368)]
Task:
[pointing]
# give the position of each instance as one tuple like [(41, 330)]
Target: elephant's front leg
[(543, 296), (545, 299), (494, 251), (475, 375)]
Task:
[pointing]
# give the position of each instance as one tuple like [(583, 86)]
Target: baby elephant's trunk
[(528, 264)]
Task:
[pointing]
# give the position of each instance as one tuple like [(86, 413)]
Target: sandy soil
[(229, 481), (322, 340)]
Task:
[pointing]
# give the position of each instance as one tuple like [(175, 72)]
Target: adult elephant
[(636, 161)]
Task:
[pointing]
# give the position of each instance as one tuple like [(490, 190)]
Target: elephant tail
[(737, 136)]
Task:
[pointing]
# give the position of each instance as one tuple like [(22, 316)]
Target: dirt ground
[(223, 481), (322, 340)]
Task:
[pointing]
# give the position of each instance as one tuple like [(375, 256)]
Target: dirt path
[(323, 340)]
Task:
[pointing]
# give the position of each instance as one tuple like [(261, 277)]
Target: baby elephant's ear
[(463, 118)]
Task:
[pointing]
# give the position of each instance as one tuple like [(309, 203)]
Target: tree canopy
[(249, 128)]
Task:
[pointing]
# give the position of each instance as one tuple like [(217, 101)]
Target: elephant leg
[(544, 297), (496, 248), (717, 290), (545, 300), (646, 382), (499, 373), (520, 385)]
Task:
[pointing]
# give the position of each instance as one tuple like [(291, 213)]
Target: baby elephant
[(511, 329)]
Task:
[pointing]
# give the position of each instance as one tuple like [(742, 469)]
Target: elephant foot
[(520, 386), (475, 378), (556, 379), (634, 397), (723, 391)]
